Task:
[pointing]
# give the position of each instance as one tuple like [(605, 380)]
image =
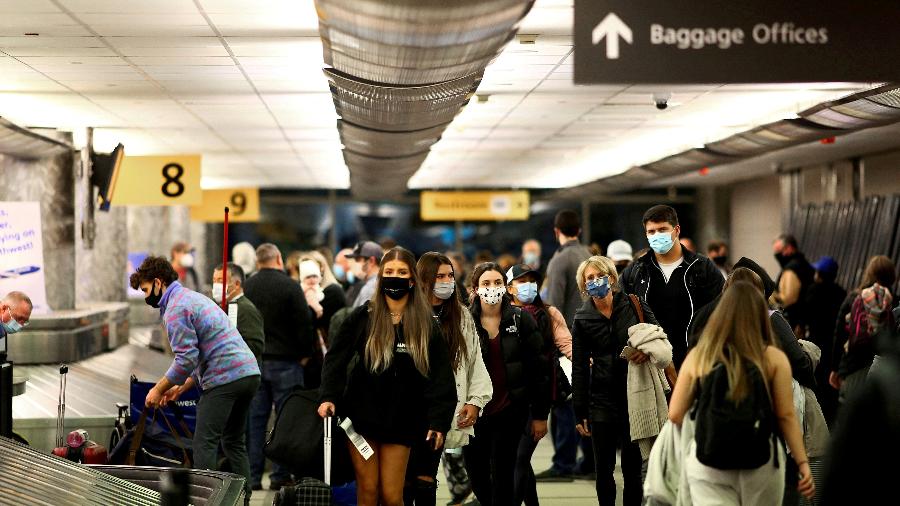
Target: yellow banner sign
[(242, 203), (474, 206), (159, 181)]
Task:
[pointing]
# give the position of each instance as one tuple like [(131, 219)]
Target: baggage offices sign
[(474, 206), (22, 252), (242, 203), (172, 180), (722, 41)]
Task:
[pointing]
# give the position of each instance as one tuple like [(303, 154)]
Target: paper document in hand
[(358, 441)]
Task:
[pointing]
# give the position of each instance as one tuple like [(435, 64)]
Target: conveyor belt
[(29, 477), (94, 384)]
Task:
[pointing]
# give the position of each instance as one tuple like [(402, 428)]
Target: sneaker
[(552, 475), (277, 484)]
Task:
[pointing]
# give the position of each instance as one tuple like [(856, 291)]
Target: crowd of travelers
[(713, 382)]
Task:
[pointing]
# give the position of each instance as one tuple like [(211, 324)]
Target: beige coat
[(646, 386)]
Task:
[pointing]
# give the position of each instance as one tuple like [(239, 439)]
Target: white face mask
[(491, 295), (218, 292), (187, 260)]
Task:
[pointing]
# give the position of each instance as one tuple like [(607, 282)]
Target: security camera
[(662, 100)]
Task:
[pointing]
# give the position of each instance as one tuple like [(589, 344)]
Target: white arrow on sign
[(612, 27)]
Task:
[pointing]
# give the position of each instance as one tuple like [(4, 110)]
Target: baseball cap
[(519, 270), (366, 249), (619, 251), (826, 265)]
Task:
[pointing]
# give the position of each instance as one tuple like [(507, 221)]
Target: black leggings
[(607, 437), (491, 455), (423, 461)]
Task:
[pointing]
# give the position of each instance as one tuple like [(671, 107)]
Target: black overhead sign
[(733, 41)]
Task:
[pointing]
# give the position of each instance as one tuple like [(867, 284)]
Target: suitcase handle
[(327, 446)]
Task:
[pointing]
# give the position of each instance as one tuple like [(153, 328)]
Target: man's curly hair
[(154, 268)]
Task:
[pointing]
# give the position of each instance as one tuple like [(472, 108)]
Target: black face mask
[(782, 259), (153, 299), (720, 261), (395, 288)]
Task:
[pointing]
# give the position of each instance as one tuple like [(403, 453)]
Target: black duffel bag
[(296, 441)]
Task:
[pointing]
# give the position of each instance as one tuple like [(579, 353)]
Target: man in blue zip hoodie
[(674, 281)]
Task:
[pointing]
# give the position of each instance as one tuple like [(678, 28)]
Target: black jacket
[(796, 313), (703, 283), (398, 405), (527, 369), (599, 390), (801, 364), (286, 316)]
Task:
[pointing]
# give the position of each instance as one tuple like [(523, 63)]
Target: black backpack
[(733, 435)]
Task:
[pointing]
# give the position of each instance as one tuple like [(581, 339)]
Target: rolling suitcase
[(77, 445), (311, 491)]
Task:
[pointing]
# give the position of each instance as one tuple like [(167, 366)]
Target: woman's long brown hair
[(738, 330), (417, 320), (451, 316)]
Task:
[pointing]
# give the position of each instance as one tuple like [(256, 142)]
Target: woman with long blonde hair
[(739, 338), (400, 388)]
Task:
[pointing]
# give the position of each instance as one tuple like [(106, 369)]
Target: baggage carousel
[(30, 477), (95, 385)]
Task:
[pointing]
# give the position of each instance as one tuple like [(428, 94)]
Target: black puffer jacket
[(527, 369), (599, 390)]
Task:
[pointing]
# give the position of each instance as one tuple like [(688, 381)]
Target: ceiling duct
[(422, 23), (411, 72), (396, 108), (25, 143), (361, 163), (870, 108), (693, 159), (860, 110), (401, 71), (379, 143), (387, 55)]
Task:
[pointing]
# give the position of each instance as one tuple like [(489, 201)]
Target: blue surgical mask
[(661, 242), (526, 292), (12, 326), (444, 289), (351, 278), (531, 259), (339, 272), (598, 287)]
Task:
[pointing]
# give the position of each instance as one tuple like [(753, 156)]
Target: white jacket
[(647, 385), (473, 383), (666, 482)]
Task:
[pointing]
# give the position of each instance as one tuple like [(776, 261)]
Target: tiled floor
[(576, 493)]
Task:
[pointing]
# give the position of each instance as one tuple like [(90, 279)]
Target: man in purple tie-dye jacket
[(209, 353)]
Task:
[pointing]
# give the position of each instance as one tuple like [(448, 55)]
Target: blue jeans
[(565, 438), (279, 379)]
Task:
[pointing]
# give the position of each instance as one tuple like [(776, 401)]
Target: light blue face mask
[(339, 272), (531, 259), (661, 242), (12, 326), (598, 287), (526, 292)]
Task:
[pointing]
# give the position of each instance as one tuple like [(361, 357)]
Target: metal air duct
[(25, 143), (382, 144)]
